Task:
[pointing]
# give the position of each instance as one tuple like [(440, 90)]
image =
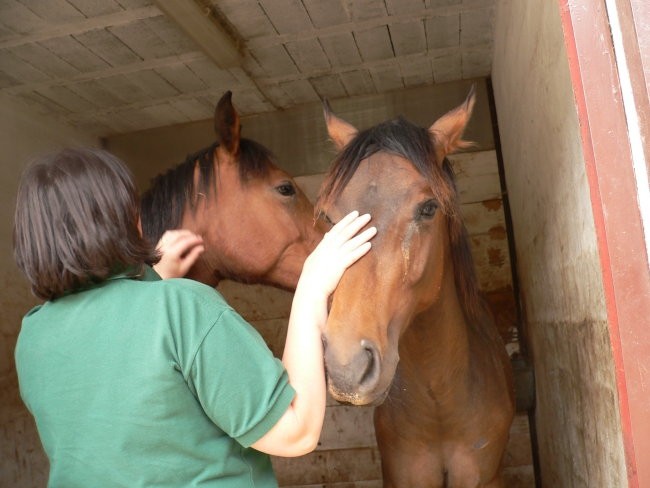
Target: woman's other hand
[(179, 250)]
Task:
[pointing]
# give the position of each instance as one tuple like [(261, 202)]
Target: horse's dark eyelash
[(288, 186), (426, 210)]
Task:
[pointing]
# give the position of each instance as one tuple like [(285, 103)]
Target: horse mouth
[(356, 398), (363, 378)]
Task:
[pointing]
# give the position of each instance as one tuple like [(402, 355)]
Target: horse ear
[(338, 129), (448, 129), (226, 123)]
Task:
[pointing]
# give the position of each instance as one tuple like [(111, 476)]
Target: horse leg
[(402, 469), (466, 470), (467, 480), (497, 482), (405, 461)]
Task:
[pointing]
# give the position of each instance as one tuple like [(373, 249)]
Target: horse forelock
[(402, 138), (399, 137)]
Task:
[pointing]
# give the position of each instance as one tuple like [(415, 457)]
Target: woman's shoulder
[(191, 290)]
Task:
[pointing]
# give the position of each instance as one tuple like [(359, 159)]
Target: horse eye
[(286, 189), (427, 210), (326, 218)]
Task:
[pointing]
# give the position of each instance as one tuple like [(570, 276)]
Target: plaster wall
[(23, 135), (577, 418)]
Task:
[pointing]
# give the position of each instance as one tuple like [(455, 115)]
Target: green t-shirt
[(145, 382)]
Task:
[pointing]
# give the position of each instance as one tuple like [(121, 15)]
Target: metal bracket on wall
[(524, 379)]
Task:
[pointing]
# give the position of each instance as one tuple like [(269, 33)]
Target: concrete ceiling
[(117, 66)]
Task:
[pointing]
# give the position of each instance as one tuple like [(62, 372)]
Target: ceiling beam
[(150, 64), (79, 27), (203, 26), (361, 25)]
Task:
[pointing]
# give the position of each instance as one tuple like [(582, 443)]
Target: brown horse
[(256, 223), (407, 326)]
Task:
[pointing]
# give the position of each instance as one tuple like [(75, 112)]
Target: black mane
[(162, 205)]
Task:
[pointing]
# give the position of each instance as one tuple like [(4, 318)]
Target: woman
[(138, 381)]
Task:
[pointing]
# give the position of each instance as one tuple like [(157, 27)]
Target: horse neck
[(435, 354), (208, 268), (205, 271), (431, 379), (211, 267), (221, 259), (439, 335)]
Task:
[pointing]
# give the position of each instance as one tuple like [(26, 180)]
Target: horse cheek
[(423, 267)]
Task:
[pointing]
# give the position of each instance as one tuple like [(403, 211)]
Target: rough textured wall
[(22, 136), (577, 417)]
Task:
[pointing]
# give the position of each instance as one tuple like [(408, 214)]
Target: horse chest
[(430, 418), (434, 452)]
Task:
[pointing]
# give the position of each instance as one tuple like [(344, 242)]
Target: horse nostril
[(370, 375)]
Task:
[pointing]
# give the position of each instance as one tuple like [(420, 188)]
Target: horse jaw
[(286, 271), (205, 271)]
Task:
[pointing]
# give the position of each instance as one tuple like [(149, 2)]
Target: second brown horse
[(257, 224), (407, 328)]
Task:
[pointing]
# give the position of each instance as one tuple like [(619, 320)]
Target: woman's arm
[(298, 430)]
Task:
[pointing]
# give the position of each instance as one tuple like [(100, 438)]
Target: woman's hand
[(339, 249), (179, 250)]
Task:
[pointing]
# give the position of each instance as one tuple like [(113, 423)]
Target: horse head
[(398, 173), (256, 223)]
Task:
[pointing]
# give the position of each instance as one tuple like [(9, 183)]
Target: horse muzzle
[(358, 378)]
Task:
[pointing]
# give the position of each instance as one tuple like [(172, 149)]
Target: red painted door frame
[(619, 226)]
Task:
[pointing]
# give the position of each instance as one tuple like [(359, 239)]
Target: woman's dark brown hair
[(76, 222)]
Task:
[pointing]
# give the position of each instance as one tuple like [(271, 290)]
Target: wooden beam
[(79, 27), (363, 25), (184, 58), (203, 26)]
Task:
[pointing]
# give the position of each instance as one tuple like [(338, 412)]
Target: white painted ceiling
[(116, 66)]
